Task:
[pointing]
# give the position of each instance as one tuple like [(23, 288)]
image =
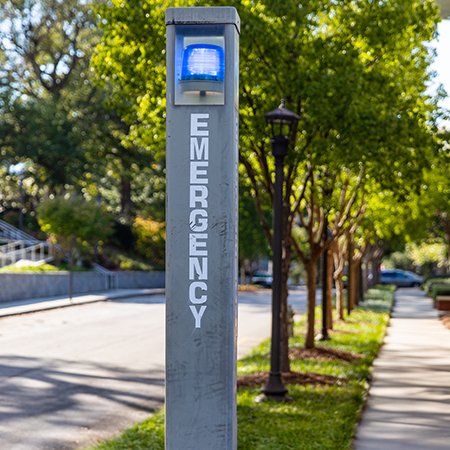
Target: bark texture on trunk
[(340, 298), (357, 276), (243, 280), (350, 279), (339, 263), (284, 331), (330, 291), (311, 303)]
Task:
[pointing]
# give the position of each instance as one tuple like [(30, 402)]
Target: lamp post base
[(278, 398), (273, 390), (322, 337)]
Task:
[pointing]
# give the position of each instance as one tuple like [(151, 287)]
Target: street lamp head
[(282, 117), (287, 122)]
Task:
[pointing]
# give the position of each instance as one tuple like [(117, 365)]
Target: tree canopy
[(355, 71)]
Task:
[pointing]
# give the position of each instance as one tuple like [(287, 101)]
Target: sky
[(441, 64)]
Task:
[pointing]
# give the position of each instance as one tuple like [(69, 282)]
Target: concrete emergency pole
[(201, 224)]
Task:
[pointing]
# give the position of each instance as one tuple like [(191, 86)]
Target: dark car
[(400, 278), (262, 278)]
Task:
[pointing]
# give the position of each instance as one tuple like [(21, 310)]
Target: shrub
[(440, 289), (435, 281), (151, 239)]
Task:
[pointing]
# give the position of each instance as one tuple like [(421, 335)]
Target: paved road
[(71, 376)]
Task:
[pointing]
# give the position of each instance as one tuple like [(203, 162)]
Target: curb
[(45, 304)]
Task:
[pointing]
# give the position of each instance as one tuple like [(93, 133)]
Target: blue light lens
[(203, 62)]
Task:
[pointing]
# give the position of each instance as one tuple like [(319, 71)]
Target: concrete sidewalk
[(43, 304), (409, 400)]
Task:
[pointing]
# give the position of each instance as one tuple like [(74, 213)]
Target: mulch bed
[(446, 320), (259, 379), (323, 354)]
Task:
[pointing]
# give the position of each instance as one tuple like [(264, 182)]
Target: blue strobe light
[(203, 68)]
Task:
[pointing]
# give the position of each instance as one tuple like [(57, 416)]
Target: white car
[(262, 278)]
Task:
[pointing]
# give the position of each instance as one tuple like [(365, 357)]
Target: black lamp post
[(284, 127)]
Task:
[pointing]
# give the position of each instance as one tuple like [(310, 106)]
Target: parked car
[(400, 278), (262, 278)]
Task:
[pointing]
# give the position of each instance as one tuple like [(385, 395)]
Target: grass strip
[(320, 417)]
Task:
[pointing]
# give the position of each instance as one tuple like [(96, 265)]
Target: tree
[(344, 66), (150, 239), (65, 217), (53, 117)]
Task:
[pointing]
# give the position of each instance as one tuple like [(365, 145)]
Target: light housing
[(282, 116), (283, 124), (203, 68), (200, 64)]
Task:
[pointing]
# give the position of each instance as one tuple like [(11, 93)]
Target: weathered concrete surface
[(31, 285), (409, 403), (138, 280)]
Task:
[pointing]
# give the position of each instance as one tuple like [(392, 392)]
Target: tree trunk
[(350, 278), (285, 365), (340, 296), (330, 291), (376, 255), (338, 258), (311, 303), (365, 273), (374, 264), (243, 280), (356, 284), (361, 282)]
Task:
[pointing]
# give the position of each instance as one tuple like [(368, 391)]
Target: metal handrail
[(15, 255), (112, 277), (16, 234), (10, 246)]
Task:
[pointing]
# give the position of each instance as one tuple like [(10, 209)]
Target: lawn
[(323, 413)]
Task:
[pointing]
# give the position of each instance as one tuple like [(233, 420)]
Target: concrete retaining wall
[(20, 286), (136, 280)]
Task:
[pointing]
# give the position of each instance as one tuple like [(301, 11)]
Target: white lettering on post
[(196, 124), (198, 216), (193, 298), (198, 220), (196, 268), (196, 245), (198, 195), (199, 172), (198, 315), (199, 151)]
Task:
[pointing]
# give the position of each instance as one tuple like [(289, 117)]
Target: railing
[(34, 253), (15, 234), (12, 246), (111, 277)]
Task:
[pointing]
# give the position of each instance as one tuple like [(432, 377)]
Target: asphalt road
[(72, 376)]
